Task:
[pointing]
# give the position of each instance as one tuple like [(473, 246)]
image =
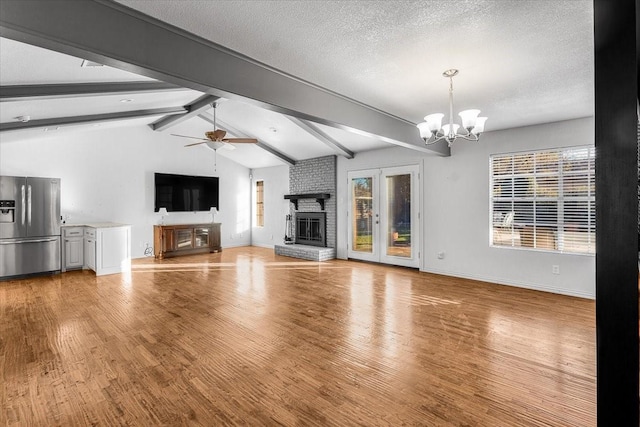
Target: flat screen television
[(184, 193)]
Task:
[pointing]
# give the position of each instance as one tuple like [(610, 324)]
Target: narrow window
[(260, 203), (544, 200)]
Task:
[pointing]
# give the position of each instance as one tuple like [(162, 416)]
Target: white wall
[(107, 175), (276, 185), (455, 210)]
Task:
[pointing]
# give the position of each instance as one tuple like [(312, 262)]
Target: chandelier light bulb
[(434, 121), (432, 130), (479, 127), (425, 132), (469, 118), (446, 130)]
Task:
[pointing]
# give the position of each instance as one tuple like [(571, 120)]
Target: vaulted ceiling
[(521, 63)]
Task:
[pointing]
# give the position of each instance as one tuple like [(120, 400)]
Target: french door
[(383, 215)]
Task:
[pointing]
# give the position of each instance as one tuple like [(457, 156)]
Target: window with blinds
[(544, 200), (260, 203)]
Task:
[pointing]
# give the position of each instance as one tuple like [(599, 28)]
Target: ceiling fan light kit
[(432, 130)]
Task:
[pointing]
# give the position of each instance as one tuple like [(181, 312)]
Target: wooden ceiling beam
[(93, 118), (115, 35), (56, 91)]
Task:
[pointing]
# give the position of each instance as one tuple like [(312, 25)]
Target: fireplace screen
[(310, 228)]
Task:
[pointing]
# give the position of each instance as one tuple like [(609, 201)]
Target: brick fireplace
[(313, 240)]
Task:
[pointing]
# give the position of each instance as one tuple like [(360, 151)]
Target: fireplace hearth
[(311, 228)]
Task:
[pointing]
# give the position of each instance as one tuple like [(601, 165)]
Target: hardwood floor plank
[(245, 337)]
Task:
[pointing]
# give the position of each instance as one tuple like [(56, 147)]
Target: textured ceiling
[(521, 62), (23, 64)]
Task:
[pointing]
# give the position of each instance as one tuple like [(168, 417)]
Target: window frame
[(259, 203), (563, 234)]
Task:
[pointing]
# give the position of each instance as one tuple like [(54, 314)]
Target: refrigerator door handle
[(29, 205), (13, 242), (24, 204)]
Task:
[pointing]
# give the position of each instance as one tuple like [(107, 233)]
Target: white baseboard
[(263, 245), (236, 245), (531, 286)]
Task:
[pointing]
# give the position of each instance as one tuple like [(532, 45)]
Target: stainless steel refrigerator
[(29, 225)]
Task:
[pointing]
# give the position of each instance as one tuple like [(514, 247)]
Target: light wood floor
[(245, 337)]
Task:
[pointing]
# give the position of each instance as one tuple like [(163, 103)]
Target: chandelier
[(432, 130)]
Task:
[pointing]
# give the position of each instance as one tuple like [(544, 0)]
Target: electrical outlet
[(555, 269)]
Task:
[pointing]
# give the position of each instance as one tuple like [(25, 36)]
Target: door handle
[(24, 204), (29, 205), (28, 241)]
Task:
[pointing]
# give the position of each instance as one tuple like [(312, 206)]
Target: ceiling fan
[(217, 137)]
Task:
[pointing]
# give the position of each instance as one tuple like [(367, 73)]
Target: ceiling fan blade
[(185, 136), (196, 143), (241, 140)]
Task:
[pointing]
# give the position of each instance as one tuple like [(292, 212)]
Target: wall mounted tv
[(183, 193)]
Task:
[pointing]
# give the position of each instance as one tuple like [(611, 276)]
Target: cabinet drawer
[(73, 231), (90, 232)]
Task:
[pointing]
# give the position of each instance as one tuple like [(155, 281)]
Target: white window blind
[(544, 200)]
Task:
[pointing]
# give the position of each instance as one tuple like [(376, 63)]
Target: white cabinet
[(112, 250), (102, 247), (90, 248), (74, 254), (73, 250)]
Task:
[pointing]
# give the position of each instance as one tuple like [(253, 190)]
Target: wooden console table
[(185, 239)]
